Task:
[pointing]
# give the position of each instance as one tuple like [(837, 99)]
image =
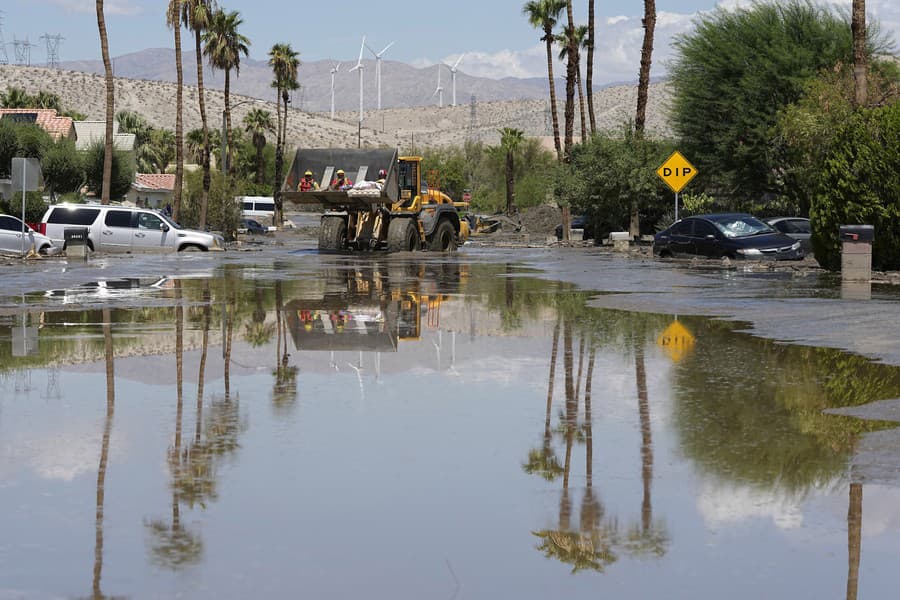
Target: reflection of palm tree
[(854, 539), (104, 454), (284, 391), (542, 460)]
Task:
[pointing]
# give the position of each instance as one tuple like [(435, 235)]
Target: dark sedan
[(252, 227), (725, 236)]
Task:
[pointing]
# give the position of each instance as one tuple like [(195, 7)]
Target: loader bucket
[(359, 165)]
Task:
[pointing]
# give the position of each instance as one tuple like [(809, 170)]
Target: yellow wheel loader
[(389, 205)]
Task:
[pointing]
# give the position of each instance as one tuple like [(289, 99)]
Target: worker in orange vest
[(340, 182)]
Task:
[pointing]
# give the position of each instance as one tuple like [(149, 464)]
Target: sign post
[(677, 172), (25, 175)]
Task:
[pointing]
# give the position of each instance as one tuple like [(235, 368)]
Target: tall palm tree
[(224, 46), (858, 27), (580, 34), (110, 105), (257, 122), (590, 43), (195, 16), (543, 15), (284, 62), (646, 58), (510, 139), (173, 20), (571, 76)]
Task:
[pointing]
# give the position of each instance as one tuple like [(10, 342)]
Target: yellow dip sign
[(676, 341)]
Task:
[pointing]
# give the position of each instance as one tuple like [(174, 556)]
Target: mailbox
[(857, 233), (856, 252)]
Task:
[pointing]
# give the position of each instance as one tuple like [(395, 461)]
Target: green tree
[(16, 97), (860, 183), (9, 145), (121, 172), (733, 73), (257, 123), (223, 47), (284, 62), (62, 167), (33, 141), (543, 15)]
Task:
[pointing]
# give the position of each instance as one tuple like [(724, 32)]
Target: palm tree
[(110, 105), (510, 139), (47, 100), (284, 62), (543, 14), (224, 46), (858, 27), (646, 55), (195, 16), (580, 34), (15, 97), (571, 76), (257, 122), (173, 20), (590, 43)]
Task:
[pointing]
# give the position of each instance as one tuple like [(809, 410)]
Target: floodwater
[(435, 428)]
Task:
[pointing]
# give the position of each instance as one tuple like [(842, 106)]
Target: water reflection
[(446, 355)]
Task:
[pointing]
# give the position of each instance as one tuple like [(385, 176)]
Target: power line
[(22, 49), (52, 49)]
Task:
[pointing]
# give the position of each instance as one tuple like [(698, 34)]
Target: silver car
[(13, 242)]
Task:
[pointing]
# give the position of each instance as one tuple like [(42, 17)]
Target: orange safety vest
[(306, 184)]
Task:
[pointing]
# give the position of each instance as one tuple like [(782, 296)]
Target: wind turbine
[(439, 91), (335, 67), (453, 71), (360, 67), (378, 56)]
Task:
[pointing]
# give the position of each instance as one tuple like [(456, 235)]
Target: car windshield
[(736, 227)]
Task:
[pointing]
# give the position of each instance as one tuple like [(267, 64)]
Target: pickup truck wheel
[(403, 235), (332, 233), (191, 248), (444, 237)]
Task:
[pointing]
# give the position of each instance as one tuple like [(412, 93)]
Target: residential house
[(152, 190)]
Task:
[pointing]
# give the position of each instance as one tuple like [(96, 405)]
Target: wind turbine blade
[(458, 60), (338, 67), (361, 50), (372, 51), (385, 49)]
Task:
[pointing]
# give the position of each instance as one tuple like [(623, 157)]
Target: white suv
[(125, 229)]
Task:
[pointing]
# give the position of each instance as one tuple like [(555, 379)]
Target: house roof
[(148, 182), (46, 118), (88, 133)]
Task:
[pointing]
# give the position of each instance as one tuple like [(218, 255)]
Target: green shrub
[(34, 206), (860, 184)]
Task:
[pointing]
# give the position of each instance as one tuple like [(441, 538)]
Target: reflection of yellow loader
[(398, 212)]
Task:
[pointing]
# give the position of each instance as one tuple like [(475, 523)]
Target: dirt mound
[(541, 219)]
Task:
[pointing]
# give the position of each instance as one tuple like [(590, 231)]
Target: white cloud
[(619, 45), (110, 7)]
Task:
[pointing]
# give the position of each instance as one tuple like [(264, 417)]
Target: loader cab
[(409, 171)]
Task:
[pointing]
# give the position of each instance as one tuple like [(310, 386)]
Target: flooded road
[(431, 427)]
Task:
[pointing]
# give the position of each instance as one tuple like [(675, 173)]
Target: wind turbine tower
[(378, 58), (335, 67), (439, 91), (453, 71), (360, 67)]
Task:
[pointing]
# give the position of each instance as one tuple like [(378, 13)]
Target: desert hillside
[(401, 127)]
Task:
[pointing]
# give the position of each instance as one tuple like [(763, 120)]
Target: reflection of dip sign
[(676, 341)]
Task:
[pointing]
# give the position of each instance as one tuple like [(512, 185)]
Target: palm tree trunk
[(588, 422), (201, 93), (553, 114), (510, 183), (854, 539), (279, 155), (179, 117), (640, 118), (229, 159), (104, 452), (571, 400), (590, 67), (858, 26), (551, 378), (259, 162), (201, 377), (581, 104), (110, 105), (571, 72), (179, 368)]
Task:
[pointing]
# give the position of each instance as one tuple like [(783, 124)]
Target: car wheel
[(192, 248)]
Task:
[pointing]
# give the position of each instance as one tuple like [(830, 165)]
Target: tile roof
[(47, 118), (154, 181)]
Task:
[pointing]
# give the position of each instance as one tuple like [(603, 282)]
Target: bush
[(122, 171), (860, 184), (62, 167), (223, 213), (35, 207)]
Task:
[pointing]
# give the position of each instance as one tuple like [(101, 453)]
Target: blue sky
[(494, 34)]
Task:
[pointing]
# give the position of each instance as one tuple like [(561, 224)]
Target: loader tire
[(444, 237), (403, 236), (332, 234)]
